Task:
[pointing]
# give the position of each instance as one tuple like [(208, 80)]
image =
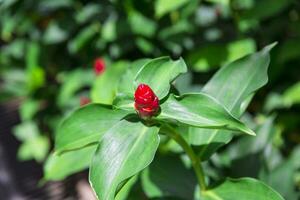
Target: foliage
[(133, 141), (48, 49)]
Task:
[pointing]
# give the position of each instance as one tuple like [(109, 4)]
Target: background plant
[(47, 46)]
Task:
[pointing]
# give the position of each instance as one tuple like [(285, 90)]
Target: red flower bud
[(84, 101), (146, 102), (99, 66)]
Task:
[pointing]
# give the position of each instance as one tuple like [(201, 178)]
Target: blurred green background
[(48, 49)]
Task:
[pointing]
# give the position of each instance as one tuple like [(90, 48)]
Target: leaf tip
[(269, 47), (250, 132)]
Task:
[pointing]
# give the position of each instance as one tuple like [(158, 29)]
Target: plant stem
[(196, 162)]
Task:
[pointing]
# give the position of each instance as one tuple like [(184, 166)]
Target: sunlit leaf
[(241, 189), (200, 110), (125, 150), (85, 126), (58, 167), (231, 86), (159, 73)]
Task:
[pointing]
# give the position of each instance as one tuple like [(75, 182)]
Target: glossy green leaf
[(85, 126), (232, 86), (159, 73), (126, 188), (200, 110), (241, 189), (126, 87), (125, 149), (105, 87), (58, 167), (88, 12)]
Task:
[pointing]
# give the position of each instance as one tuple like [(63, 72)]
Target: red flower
[(146, 102), (99, 66), (84, 101)]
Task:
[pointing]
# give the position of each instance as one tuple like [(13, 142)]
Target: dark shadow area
[(168, 173)]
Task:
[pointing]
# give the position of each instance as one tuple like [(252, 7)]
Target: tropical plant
[(119, 141)]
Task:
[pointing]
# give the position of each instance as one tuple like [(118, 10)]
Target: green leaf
[(213, 55), (32, 56), (126, 87), (58, 167), (83, 37), (245, 146), (125, 190), (35, 74), (85, 126), (292, 95), (285, 173), (127, 81), (54, 34), (168, 177), (71, 85), (109, 29), (163, 7), (232, 86), (51, 5), (105, 87), (144, 45), (35, 148), (159, 73), (138, 22), (125, 150), (245, 75), (28, 109), (258, 12), (200, 110), (25, 131), (241, 189), (87, 12)]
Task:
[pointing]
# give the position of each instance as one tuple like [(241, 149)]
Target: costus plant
[(119, 141)]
